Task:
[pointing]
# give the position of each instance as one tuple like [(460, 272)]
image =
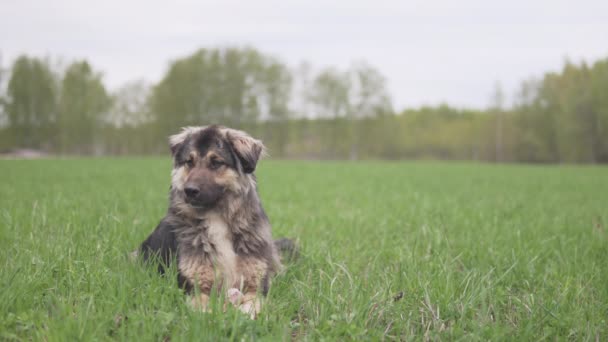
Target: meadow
[(389, 250)]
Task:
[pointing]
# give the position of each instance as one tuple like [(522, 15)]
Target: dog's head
[(211, 161)]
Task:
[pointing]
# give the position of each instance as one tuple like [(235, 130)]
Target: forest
[(299, 112)]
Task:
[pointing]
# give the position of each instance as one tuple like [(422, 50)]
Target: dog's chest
[(219, 237), (207, 251)]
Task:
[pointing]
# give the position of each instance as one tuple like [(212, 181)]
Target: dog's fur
[(215, 226)]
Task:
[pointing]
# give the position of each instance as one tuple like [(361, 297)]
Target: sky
[(431, 52)]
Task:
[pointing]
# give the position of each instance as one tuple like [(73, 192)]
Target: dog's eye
[(190, 162), (215, 164)]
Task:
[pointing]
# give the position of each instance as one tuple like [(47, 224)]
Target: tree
[(531, 143), (579, 136), (330, 98), (497, 103), (369, 98), (130, 105), (599, 101), (83, 104), (234, 87), (31, 104), (330, 94), (300, 97), (277, 81), (349, 97), (3, 100)]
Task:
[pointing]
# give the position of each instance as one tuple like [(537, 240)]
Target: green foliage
[(83, 104), (566, 120), (341, 99), (130, 105), (478, 252), (31, 104), (231, 86), (329, 94), (332, 114)]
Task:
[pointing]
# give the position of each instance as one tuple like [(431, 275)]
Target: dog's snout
[(191, 190)]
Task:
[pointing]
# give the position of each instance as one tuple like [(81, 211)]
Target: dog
[(215, 227)]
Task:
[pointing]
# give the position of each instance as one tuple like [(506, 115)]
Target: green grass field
[(478, 252)]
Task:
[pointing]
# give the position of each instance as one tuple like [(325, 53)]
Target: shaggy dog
[(215, 227)]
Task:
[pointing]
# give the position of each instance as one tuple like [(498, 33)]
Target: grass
[(389, 251)]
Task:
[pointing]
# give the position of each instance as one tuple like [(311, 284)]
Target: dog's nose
[(191, 190)]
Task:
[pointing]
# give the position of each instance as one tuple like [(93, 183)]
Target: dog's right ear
[(176, 141)]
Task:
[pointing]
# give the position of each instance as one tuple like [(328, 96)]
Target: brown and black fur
[(215, 227)]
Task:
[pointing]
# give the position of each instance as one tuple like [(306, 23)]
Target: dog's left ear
[(247, 149)]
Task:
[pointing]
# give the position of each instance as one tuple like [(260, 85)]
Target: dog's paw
[(251, 307), (248, 304), (234, 296)]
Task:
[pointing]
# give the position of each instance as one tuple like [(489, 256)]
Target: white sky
[(430, 51)]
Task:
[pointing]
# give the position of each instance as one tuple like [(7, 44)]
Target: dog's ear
[(246, 148), (176, 141)]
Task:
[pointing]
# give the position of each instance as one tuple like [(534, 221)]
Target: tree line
[(299, 112)]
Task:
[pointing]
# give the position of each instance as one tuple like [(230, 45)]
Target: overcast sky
[(430, 51)]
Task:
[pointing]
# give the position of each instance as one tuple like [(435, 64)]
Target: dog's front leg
[(200, 302)]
